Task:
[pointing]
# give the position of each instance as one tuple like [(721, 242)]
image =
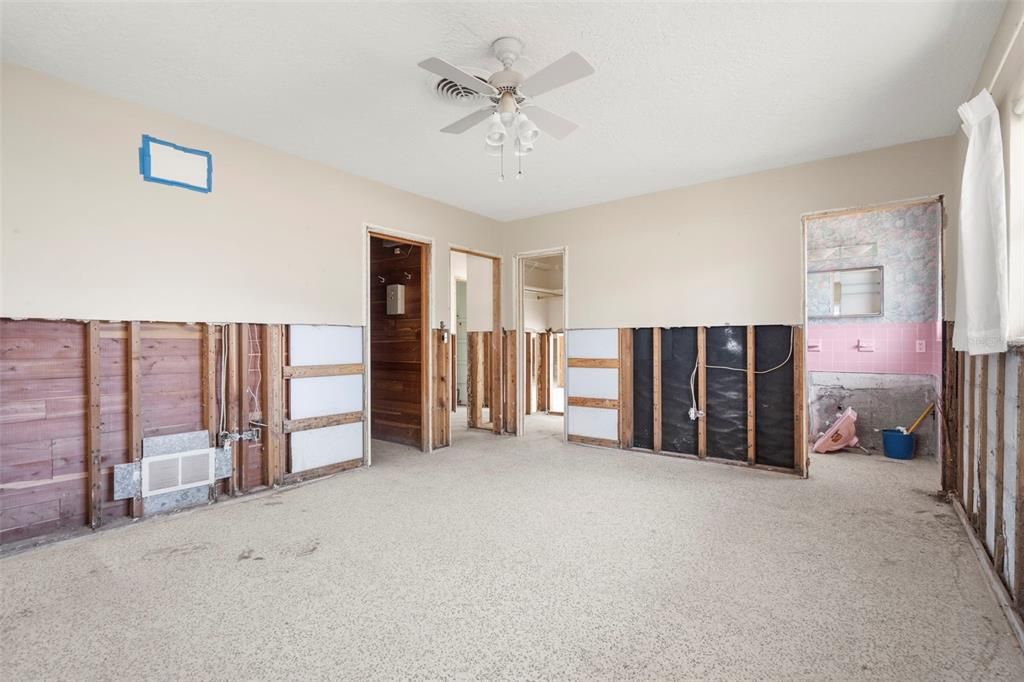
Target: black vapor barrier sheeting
[(678, 358), (726, 410), (773, 402), (643, 388)]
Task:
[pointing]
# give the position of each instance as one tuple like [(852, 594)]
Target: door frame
[(426, 336), (519, 318), (802, 458), (497, 360)]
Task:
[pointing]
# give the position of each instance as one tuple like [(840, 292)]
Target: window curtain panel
[(980, 325)]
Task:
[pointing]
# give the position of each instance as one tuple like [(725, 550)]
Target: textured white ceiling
[(683, 93)]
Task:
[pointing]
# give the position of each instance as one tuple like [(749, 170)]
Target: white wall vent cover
[(177, 471)]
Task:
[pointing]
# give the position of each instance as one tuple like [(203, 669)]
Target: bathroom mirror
[(856, 292)]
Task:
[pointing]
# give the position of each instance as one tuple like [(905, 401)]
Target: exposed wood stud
[(207, 389), (602, 403), (495, 354), (543, 372), (970, 434), (511, 384), (293, 425), (950, 420), (625, 388), (275, 403), (528, 374), (426, 350), (799, 403), (999, 550), (702, 392), (475, 384), (1018, 587), (656, 387), (595, 363), (94, 422), (961, 363), (751, 377), (244, 362), (440, 412), (231, 332), (306, 371), (135, 407), (599, 442), (981, 521), (320, 472)]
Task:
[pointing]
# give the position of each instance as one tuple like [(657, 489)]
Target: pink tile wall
[(895, 348)]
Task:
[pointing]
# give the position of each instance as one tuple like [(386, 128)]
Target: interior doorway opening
[(541, 300), (399, 340), (874, 333), (477, 399)]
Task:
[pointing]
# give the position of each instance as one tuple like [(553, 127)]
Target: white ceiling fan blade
[(457, 75), (467, 122), (569, 68), (551, 124)]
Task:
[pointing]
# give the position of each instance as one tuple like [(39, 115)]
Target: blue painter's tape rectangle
[(171, 164)]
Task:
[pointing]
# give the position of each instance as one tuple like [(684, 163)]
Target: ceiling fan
[(510, 93)]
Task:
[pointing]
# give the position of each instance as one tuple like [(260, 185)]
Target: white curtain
[(980, 325)]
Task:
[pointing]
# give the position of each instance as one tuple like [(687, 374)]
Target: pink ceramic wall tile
[(895, 348)]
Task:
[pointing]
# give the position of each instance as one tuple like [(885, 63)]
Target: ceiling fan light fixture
[(526, 129), (496, 133), (492, 149), (524, 148)]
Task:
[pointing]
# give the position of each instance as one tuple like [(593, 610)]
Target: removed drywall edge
[(994, 583)]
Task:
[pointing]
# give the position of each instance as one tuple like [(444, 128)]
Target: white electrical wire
[(254, 338), (693, 374)]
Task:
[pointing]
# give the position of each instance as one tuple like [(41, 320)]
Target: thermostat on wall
[(396, 299)]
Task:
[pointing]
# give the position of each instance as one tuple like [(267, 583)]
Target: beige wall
[(722, 252), (85, 237), (279, 239)]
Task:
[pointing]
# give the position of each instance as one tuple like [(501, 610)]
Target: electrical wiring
[(254, 339), (693, 374)]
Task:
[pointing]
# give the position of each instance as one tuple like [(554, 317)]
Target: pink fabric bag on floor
[(842, 434)]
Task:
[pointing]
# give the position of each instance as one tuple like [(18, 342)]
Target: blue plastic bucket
[(897, 445)]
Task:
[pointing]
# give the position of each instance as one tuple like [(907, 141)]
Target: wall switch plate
[(921, 347)]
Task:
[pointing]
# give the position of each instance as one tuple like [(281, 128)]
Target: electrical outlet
[(921, 346)]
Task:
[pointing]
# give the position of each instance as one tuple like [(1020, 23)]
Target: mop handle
[(920, 419)]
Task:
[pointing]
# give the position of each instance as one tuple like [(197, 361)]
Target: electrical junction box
[(396, 299)]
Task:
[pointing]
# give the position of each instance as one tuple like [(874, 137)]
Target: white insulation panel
[(592, 343), (593, 422), (330, 445), (324, 345), (593, 382), (321, 396)]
